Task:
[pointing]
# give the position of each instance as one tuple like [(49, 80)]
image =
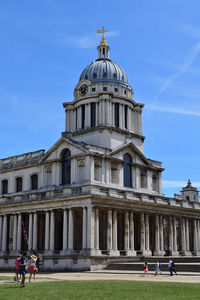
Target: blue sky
[(45, 45)]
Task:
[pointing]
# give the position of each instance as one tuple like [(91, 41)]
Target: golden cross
[(102, 31), (103, 42)]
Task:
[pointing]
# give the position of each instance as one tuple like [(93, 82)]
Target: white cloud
[(83, 42), (174, 110), (182, 69), (177, 184), (191, 30)]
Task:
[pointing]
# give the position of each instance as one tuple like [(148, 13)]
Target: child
[(145, 268), (32, 268)]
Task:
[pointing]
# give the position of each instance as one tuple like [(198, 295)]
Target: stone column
[(46, 231), (15, 234), (121, 116), (98, 252), (90, 231), (71, 232), (103, 111), (30, 232), (142, 233), (19, 233), (64, 231), (84, 230), (175, 250), (195, 236), (137, 175), (157, 238), (109, 232), (129, 117), (1, 231), (115, 251), (187, 242), (162, 252), (35, 231), (52, 232), (126, 233), (147, 250), (132, 251), (170, 234), (183, 236), (4, 239), (198, 235)]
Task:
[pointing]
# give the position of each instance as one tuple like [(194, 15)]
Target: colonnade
[(105, 115), (155, 233)]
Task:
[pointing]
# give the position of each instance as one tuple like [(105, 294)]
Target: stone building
[(94, 195)]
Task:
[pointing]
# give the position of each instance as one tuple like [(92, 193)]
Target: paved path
[(113, 275)]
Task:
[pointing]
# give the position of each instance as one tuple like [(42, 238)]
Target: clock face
[(83, 89)]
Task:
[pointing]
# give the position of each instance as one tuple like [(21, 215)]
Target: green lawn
[(95, 290)]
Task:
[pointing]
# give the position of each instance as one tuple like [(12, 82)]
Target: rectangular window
[(82, 116), (34, 182), (5, 187), (93, 89), (126, 116), (19, 184), (116, 90), (104, 88), (143, 179), (116, 114), (93, 114)]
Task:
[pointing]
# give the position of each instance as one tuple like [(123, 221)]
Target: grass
[(94, 290)]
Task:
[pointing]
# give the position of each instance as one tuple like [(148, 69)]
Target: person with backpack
[(23, 268), (17, 269)]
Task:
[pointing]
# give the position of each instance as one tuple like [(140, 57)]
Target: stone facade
[(94, 195)]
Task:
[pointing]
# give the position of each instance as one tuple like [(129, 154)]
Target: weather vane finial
[(103, 41)]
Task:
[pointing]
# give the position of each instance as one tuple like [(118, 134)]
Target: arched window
[(127, 170), (66, 167)]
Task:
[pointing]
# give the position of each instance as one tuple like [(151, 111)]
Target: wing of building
[(94, 194)]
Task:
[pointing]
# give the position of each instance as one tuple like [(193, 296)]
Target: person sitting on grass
[(23, 268), (33, 269)]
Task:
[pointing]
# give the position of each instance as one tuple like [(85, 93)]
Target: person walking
[(170, 266), (33, 269), (23, 268), (146, 268), (173, 267), (157, 269), (17, 269)]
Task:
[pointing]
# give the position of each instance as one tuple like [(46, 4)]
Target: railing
[(55, 192), (14, 160)]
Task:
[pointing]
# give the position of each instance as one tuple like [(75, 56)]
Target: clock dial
[(83, 89)]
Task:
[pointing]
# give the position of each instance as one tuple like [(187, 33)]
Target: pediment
[(64, 143), (137, 156)]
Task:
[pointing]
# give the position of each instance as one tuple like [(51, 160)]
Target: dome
[(106, 71)]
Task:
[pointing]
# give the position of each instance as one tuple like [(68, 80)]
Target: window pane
[(82, 116), (93, 114), (66, 167), (34, 182), (127, 170), (19, 184), (4, 186), (116, 114)]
